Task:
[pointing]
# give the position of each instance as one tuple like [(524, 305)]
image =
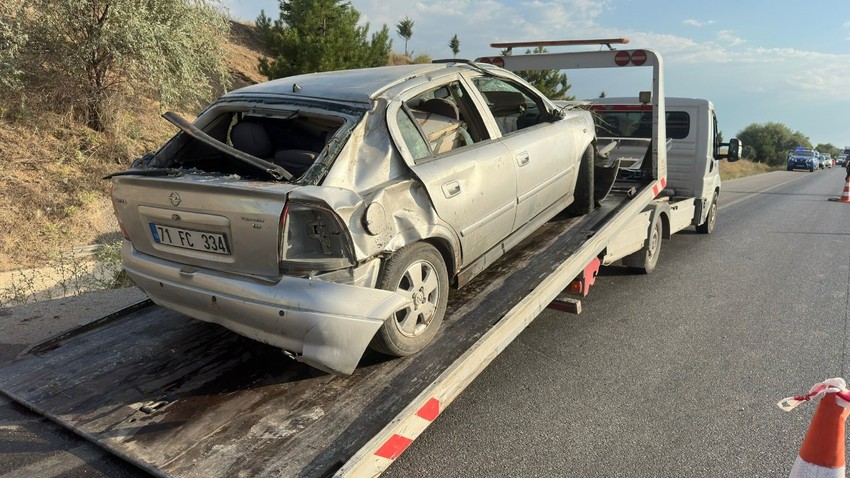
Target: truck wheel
[(417, 272), (583, 194), (711, 219), (645, 260)]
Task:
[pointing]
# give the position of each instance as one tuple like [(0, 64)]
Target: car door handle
[(451, 189), (522, 159)]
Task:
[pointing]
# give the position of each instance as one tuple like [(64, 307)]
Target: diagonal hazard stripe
[(430, 410), (394, 447)]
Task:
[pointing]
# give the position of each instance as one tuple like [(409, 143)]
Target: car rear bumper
[(324, 324)]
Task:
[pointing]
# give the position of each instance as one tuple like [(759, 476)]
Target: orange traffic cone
[(822, 452), (845, 196)]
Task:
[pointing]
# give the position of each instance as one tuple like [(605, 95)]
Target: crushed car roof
[(358, 86)]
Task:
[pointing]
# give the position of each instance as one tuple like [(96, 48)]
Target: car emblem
[(175, 199)]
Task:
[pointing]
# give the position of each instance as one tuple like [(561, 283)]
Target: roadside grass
[(743, 168), (65, 275)]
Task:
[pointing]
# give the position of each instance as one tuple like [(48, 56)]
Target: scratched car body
[(326, 212)]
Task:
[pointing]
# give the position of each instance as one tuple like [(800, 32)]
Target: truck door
[(469, 176)]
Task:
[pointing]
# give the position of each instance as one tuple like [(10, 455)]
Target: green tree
[(319, 35), (829, 148), (454, 44), (404, 29), (91, 51), (771, 142), (551, 83), (12, 42)]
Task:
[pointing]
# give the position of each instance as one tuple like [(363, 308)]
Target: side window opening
[(512, 107), (442, 119)]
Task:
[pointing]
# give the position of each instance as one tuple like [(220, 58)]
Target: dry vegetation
[(742, 168), (52, 197)]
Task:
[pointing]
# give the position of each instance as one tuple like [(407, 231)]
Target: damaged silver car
[(329, 212)]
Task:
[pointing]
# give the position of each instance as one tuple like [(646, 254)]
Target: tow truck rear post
[(180, 397)]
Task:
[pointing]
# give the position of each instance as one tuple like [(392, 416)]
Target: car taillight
[(115, 211), (312, 238)]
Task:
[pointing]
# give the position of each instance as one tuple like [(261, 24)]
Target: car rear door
[(468, 175)]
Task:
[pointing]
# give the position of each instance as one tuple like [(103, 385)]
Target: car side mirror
[(733, 150)]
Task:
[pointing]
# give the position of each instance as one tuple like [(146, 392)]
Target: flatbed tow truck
[(181, 397)]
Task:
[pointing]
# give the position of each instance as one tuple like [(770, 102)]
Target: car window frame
[(519, 83), (400, 103)]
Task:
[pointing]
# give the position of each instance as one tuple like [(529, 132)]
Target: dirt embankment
[(52, 195)]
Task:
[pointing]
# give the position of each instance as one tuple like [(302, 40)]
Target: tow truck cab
[(694, 144)]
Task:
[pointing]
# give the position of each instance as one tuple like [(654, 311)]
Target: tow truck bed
[(181, 397)]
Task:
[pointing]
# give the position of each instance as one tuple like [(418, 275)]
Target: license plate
[(188, 239)]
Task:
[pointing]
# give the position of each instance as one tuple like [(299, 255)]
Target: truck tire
[(710, 219), (418, 272), (583, 199), (645, 260)]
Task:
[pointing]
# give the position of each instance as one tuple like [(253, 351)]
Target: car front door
[(543, 152), (469, 176)]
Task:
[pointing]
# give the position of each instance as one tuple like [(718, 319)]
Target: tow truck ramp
[(181, 397)]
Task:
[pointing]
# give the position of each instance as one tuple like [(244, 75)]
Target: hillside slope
[(52, 195)]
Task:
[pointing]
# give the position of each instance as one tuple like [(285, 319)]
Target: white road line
[(748, 196), (58, 464)]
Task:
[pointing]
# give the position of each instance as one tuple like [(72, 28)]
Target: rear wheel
[(710, 219), (417, 272), (645, 260)]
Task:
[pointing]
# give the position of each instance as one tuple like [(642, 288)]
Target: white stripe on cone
[(822, 452)]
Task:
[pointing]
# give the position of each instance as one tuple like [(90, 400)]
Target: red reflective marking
[(655, 190), (622, 58), (638, 57), (663, 183), (394, 447), (430, 410)]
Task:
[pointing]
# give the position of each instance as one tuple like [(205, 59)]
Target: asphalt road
[(672, 374), (676, 373)]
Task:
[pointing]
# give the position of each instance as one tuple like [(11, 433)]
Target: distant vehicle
[(804, 159), (842, 157), (826, 160)]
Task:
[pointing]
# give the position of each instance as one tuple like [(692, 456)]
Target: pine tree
[(320, 35), (551, 83), (454, 44)]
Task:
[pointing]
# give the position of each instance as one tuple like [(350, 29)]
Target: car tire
[(645, 260), (707, 227), (790, 169), (418, 272), (583, 199)]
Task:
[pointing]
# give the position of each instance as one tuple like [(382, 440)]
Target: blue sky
[(757, 60)]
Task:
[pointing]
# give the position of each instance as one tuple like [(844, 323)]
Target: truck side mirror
[(733, 150)]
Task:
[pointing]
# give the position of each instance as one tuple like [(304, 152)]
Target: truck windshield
[(638, 124)]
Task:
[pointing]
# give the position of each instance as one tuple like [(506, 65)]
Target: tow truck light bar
[(602, 41)]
